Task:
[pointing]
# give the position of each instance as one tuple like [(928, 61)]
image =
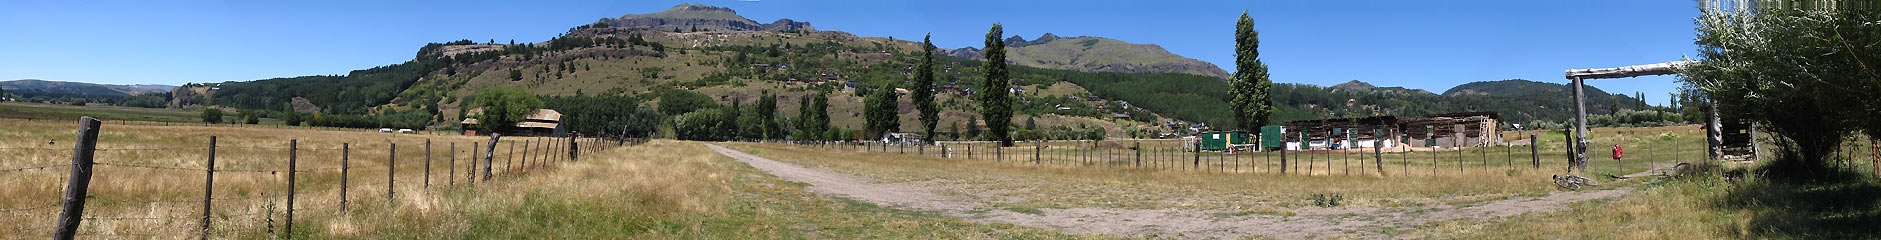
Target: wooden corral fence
[(246, 187), (1646, 150)]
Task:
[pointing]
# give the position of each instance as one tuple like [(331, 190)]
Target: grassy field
[(149, 184), (69, 112), (1701, 204)]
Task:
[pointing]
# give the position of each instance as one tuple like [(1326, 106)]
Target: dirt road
[(1310, 222)]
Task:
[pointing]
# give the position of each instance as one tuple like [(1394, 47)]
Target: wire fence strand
[(149, 166), (9, 170)]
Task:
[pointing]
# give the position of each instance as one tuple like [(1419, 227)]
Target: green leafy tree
[(1252, 105), (819, 120), (710, 124), (674, 102), (767, 117), (515, 75), (995, 102), (924, 89), (880, 111), (211, 115), (293, 118), (503, 107), (1805, 70), (247, 117)]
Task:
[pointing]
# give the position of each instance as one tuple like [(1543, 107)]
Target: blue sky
[(1432, 45)]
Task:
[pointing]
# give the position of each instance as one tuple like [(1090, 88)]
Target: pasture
[(150, 183)]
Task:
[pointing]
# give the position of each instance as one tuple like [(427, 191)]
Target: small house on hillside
[(902, 138), (542, 122)]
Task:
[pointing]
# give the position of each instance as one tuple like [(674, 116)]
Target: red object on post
[(1617, 152)]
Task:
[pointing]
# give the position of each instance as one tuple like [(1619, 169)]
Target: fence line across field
[(534, 153), (1185, 155)]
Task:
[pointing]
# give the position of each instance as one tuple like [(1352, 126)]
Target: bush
[(211, 115)]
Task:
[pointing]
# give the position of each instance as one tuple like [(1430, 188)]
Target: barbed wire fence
[(1651, 151), (262, 187)]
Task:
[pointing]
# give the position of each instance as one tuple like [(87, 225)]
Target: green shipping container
[(1218, 141), (1273, 137)]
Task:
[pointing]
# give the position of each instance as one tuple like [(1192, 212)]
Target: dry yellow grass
[(1075, 185), (149, 178), (660, 190)]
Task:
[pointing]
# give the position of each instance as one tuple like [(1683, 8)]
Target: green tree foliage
[(674, 102), (818, 120), (503, 107), (148, 101), (880, 110), (709, 124), (247, 117), (766, 115), (515, 74), (924, 89), (995, 102), (1252, 106), (1805, 69), (604, 115), (211, 115), (293, 118)]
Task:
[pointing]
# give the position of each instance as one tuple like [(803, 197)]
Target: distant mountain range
[(731, 59), (700, 17), (29, 88), (1095, 54), (1518, 100)]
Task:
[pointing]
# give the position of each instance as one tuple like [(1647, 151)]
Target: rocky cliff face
[(1095, 54), (688, 17)]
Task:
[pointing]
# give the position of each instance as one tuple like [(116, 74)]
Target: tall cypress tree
[(995, 101), (767, 116), (881, 110), (924, 88), (804, 113), (1251, 103), (820, 120)]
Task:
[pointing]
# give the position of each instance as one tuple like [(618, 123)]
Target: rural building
[(1223, 140), (901, 138), (542, 122), (1449, 130)]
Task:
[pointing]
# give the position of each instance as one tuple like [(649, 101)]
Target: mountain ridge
[(1095, 54)]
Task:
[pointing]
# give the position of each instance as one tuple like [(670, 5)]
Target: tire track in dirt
[(1311, 222)]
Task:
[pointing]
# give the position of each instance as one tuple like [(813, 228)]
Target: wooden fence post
[(574, 151), (526, 156), (293, 150), (391, 167), (208, 187), (1138, 147), (1197, 146), (79, 181), (451, 179), (1534, 150), (471, 173), (509, 160), (490, 155), (346, 150), (427, 164), (1283, 155), (1378, 150)]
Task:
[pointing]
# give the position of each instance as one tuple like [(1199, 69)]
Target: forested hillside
[(603, 76)]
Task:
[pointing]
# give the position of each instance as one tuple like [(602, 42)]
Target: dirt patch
[(1307, 222)]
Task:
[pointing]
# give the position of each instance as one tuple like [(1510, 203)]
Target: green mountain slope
[(1096, 54), (733, 66)]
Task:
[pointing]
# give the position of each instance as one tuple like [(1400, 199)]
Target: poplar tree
[(1251, 103), (995, 101), (924, 88)]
